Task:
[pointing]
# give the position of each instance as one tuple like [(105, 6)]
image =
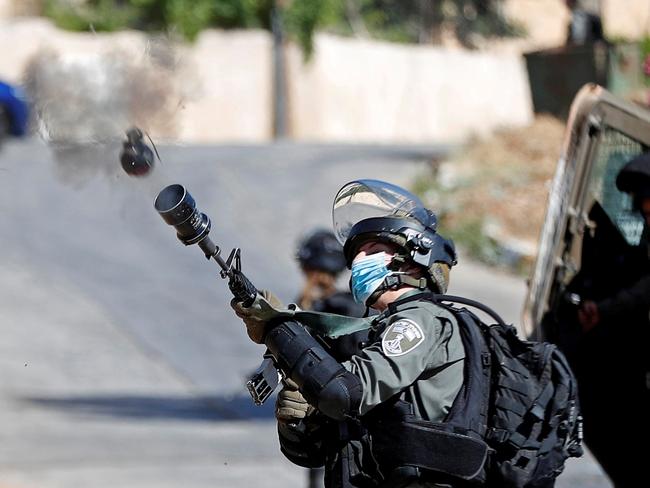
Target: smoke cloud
[(84, 103)]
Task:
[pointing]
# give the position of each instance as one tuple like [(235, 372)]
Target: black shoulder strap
[(437, 298), (471, 303), (392, 307)]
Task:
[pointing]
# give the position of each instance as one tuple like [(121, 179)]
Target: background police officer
[(634, 178), (352, 415), (613, 362), (321, 261)]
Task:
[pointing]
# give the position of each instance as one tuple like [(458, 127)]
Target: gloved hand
[(290, 405), (255, 324)]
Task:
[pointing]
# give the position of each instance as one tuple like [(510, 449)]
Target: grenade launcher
[(177, 207)]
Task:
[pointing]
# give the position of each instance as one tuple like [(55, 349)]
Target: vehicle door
[(603, 133), (590, 249)]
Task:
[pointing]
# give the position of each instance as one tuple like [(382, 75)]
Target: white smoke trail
[(84, 103)]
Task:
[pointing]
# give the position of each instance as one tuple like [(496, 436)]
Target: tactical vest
[(408, 449), (514, 422), (390, 446)]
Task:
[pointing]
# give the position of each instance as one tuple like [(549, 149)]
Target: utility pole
[(280, 115)]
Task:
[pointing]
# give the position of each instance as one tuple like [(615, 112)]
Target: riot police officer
[(370, 419)]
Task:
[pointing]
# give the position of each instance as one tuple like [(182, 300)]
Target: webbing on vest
[(533, 422), (420, 444)]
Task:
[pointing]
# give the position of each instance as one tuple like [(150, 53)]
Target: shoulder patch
[(401, 337)]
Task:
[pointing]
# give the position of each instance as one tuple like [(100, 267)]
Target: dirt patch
[(491, 195)]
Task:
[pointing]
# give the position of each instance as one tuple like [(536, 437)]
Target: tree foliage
[(425, 21), (419, 21)]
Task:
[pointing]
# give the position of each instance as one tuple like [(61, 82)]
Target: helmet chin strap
[(394, 282)]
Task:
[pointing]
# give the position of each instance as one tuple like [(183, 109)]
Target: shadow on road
[(189, 408)]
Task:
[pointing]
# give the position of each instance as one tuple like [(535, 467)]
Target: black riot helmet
[(373, 210), (634, 178), (320, 250)]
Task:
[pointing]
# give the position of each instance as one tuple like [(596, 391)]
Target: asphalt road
[(121, 363)]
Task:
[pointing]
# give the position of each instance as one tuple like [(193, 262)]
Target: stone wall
[(626, 19)]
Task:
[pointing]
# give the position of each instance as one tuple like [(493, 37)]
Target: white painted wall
[(357, 90), (351, 91), (6, 9), (228, 88)]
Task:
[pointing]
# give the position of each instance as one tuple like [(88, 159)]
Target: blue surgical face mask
[(368, 273)]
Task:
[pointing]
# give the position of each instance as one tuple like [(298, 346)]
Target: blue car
[(14, 111)]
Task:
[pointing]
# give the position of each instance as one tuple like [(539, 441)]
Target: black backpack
[(533, 422), (519, 401)]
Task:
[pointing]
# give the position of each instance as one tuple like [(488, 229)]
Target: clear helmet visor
[(364, 199)]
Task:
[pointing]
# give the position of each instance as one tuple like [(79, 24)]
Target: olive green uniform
[(418, 354), (414, 354)]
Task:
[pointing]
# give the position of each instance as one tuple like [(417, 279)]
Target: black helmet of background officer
[(634, 178), (395, 217), (321, 260), (319, 250)]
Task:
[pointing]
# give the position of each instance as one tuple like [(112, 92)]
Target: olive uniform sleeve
[(415, 343)]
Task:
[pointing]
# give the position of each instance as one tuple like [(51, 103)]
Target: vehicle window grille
[(613, 151)]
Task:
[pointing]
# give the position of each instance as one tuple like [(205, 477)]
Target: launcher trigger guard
[(235, 255)]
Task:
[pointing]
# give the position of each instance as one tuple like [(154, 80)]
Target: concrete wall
[(215, 90), (545, 22), (6, 9), (10, 8), (626, 19), (231, 96), (219, 89), (365, 91)]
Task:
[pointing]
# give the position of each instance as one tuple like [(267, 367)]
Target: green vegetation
[(424, 21), (467, 230), (490, 195), (185, 17), (645, 60), (102, 15), (416, 21)]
